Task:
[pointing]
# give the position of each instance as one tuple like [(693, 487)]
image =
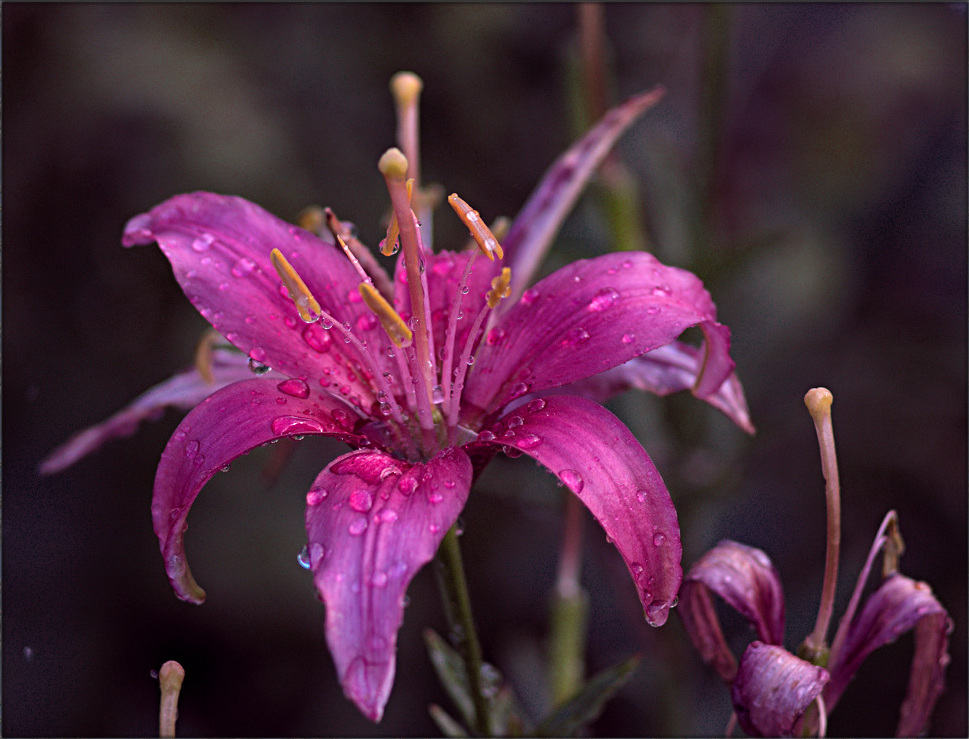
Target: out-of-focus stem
[(170, 678), (569, 611), (457, 610)]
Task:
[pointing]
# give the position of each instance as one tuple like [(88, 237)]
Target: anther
[(389, 318), (307, 305), (480, 232), (203, 354), (311, 219), (500, 288)]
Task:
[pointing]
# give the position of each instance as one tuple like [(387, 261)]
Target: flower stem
[(569, 611), (457, 610), (818, 401)]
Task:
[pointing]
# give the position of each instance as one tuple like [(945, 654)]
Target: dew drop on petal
[(495, 336), (529, 296), (294, 387), (288, 425), (605, 298), (486, 436), (642, 496), (659, 539), (657, 612), (243, 267), (387, 515), (316, 496), (191, 449), (304, 557), (652, 310), (628, 338), (361, 500), (576, 337), (379, 579), (529, 441), (435, 497), (663, 290), (407, 485), (357, 526), (203, 242), (535, 405), (573, 480)]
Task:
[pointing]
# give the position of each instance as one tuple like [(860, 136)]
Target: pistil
[(818, 401)]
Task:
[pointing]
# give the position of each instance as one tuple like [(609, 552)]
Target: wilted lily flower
[(427, 375), (772, 690)]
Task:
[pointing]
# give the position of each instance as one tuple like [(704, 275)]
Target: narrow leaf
[(447, 725)]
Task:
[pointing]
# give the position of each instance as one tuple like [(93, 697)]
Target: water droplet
[(437, 394), (511, 452), (576, 337), (605, 298), (294, 387), (529, 441), (435, 497), (379, 579), (657, 612), (663, 289), (387, 515), (573, 480), (407, 485), (258, 368), (486, 436), (536, 405), (367, 322), (191, 449), (495, 336), (258, 354), (361, 500), (659, 539), (357, 526), (652, 310), (290, 425), (642, 496), (203, 242), (628, 338), (243, 267), (529, 296), (470, 359), (316, 496), (515, 421), (519, 389), (304, 557)]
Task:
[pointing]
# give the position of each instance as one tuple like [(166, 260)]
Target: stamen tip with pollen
[(393, 164), (405, 87), (818, 401)]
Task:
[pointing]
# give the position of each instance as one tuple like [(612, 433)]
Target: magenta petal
[(668, 369), (598, 459), (227, 424), (773, 689), (538, 221), (591, 316), (184, 390), (372, 522), (899, 605), (220, 247), (745, 578)]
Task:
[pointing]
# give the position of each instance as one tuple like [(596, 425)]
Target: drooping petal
[(668, 369), (773, 689), (184, 391), (224, 426), (598, 459), (747, 580), (220, 247), (899, 605), (536, 224), (591, 316), (372, 522)]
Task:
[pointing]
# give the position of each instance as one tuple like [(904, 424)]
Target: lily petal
[(372, 522), (899, 605), (598, 459), (224, 426), (773, 689), (591, 316), (663, 371), (536, 224), (220, 246), (184, 391), (745, 578)]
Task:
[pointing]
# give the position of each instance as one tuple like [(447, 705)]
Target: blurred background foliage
[(808, 162)]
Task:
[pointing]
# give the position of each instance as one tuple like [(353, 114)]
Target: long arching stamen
[(818, 401), (361, 251), (450, 335)]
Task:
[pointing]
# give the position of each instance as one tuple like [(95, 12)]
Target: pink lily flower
[(427, 376), (776, 693)]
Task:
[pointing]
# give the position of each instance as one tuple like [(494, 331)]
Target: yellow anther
[(309, 309), (405, 87), (484, 238), (203, 354), (393, 165), (500, 287), (389, 318), (393, 228), (312, 219)]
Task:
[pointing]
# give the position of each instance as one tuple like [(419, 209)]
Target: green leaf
[(449, 666), (447, 725), (585, 707)]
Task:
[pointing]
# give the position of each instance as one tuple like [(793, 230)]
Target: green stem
[(457, 610), (569, 612)]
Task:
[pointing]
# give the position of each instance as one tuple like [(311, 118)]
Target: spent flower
[(427, 374)]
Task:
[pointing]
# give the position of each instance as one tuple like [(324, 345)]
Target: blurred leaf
[(447, 725), (504, 712), (588, 704)]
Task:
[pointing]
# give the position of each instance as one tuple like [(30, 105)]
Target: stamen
[(500, 287), (353, 260), (360, 250), (406, 88), (450, 334), (480, 232), (307, 305), (389, 318), (818, 401), (203, 354)]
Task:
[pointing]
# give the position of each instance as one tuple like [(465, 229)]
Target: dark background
[(835, 247)]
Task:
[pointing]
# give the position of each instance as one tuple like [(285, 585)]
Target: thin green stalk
[(457, 610), (569, 612)]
